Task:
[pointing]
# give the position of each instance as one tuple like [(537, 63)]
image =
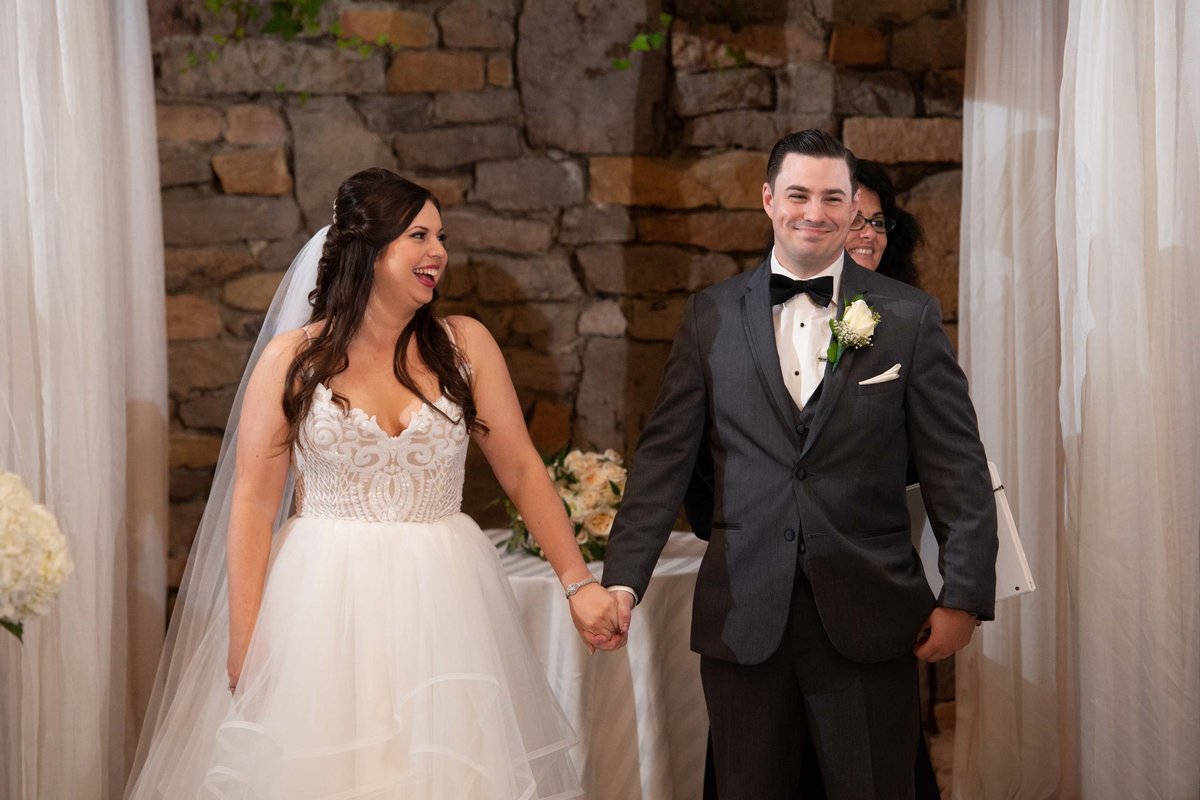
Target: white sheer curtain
[(82, 383), (1128, 200), (1011, 685), (1080, 251)]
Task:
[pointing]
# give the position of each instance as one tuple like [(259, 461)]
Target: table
[(639, 711)]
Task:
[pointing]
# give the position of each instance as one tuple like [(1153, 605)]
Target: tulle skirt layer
[(388, 661)]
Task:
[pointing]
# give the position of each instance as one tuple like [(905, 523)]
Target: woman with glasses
[(883, 236)]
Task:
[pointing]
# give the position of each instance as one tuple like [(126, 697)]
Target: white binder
[(1012, 570)]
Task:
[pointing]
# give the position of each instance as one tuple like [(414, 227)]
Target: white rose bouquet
[(34, 562), (591, 486)]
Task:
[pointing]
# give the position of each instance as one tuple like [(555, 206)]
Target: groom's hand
[(949, 631), (594, 612), (624, 601)]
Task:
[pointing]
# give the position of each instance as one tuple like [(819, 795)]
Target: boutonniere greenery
[(854, 329)]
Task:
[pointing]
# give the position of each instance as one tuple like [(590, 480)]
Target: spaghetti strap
[(464, 366), (449, 330)]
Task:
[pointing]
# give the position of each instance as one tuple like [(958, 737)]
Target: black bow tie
[(784, 288)]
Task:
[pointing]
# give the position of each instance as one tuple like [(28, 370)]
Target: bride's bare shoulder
[(472, 337), (467, 330), (286, 344), (281, 351)]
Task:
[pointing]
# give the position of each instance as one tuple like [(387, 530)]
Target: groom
[(811, 606)]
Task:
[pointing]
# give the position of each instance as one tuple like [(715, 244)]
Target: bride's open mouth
[(427, 276)]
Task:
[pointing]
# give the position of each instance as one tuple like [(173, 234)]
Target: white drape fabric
[(83, 415), (1079, 268), (1010, 684), (639, 711), (1129, 250)]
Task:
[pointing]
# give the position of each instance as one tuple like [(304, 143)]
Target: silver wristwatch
[(572, 588)]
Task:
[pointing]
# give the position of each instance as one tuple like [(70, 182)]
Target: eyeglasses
[(879, 222)]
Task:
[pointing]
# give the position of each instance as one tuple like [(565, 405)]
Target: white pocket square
[(892, 374)]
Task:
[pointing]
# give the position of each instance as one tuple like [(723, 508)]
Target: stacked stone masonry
[(583, 203)]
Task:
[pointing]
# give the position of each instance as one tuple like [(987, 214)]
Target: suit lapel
[(835, 380), (760, 333)]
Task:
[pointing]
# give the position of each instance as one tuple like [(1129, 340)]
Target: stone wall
[(582, 202)]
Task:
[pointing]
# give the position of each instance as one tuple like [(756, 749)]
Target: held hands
[(949, 630), (594, 612), (620, 636)]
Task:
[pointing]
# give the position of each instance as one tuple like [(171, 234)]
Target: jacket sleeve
[(943, 436), (662, 465)]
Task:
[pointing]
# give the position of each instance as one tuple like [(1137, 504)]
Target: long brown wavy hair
[(372, 209)]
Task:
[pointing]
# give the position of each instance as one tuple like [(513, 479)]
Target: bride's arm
[(259, 477), (523, 476)]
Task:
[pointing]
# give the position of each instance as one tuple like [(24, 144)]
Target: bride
[(371, 647)]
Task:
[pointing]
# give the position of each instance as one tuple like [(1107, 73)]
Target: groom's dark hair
[(812, 142)]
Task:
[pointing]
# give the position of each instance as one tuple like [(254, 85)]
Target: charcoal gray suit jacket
[(828, 499)]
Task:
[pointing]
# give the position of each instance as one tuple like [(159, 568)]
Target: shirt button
[(801, 473), (801, 324), (790, 535)]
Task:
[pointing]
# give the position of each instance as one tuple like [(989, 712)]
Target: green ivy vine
[(644, 42), (732, 13), (287, 19)]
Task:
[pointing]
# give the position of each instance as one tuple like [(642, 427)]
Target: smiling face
[(411, 266), (866, 246), (811, 206)]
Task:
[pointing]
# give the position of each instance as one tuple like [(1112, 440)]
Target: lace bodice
[(347, 467)]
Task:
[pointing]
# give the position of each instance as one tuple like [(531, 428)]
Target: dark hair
[(897, 259), (811, 142), (372, 209)]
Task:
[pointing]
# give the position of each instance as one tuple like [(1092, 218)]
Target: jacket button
[(790, 535), (801, 473)]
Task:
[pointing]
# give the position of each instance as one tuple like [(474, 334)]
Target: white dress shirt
[(802, 336), (802, 333)]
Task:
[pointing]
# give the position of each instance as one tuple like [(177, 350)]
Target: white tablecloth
[(639, 711)]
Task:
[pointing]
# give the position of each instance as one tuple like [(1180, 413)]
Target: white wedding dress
[(388, 660)]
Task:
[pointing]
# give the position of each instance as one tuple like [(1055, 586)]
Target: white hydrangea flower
[(34, 562)]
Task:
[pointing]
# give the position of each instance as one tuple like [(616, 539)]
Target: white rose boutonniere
[(854, 329)]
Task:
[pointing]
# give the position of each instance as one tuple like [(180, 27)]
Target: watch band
[(575, 587)]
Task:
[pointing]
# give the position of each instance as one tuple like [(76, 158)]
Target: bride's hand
[(594, 612), (233, 667)]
